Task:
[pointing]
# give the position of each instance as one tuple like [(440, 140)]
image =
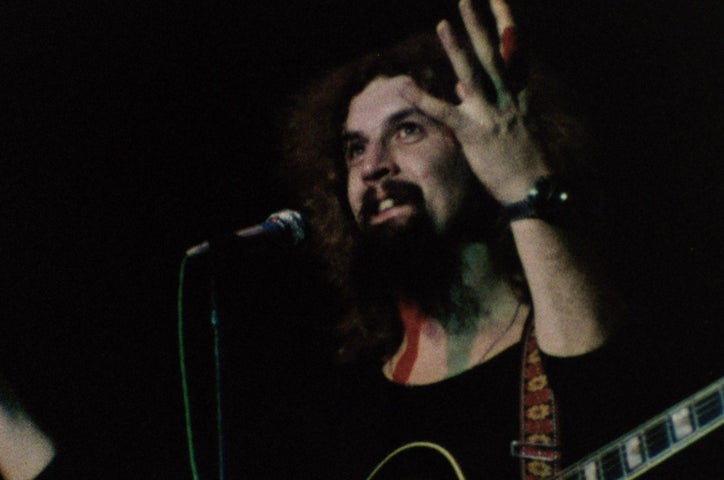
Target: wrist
[(516, 184), (547, 199)]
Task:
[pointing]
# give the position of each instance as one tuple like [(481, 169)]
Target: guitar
[(630, 455)]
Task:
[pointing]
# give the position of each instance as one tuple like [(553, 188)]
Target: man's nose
[(379, 163)]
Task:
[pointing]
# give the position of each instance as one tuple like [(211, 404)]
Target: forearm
[(24, 449), (575, 307)]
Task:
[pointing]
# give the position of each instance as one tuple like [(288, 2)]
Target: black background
[(132, 130)]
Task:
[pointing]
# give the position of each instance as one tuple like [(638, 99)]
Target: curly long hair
[(314, 165)]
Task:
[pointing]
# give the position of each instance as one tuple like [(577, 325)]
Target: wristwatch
[(547, 199)]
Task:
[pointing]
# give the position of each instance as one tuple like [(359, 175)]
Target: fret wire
[(693, 418), (573, 474), (607, 459), (654, 438), (577, 475), (709, 408), (599, 468), (711, 399), (606, 456), (621, 456), (659, 437), (656, 431), (611, 458), (623, 460), (645, 446), (670, 436)]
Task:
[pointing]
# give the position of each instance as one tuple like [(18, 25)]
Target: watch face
[(552, 201), (543, 189), (546, 200)]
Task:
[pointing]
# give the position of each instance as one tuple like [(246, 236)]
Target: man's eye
[(353, 150), (409, 131)]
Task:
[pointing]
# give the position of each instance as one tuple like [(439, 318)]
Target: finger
[(434, 108), (523, 102), (506, 29), (458, 58), (516, 70), (480, 40), (474, 100), (483, 48), (508, 44)]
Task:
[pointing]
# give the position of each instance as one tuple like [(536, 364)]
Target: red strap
[(539, 447)]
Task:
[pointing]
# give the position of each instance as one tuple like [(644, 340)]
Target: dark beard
[(419, 263)]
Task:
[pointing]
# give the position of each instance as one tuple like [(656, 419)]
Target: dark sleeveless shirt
[(475, 415)]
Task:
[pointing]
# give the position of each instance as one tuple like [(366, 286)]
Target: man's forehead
[(379, 101)]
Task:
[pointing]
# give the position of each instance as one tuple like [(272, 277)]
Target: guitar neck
[(656, 440)]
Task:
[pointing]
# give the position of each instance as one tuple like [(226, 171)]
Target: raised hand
[(492, 133)]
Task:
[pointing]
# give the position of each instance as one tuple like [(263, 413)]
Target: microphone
[(285, 227)]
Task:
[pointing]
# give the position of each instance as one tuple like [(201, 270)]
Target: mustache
[(400, 191)]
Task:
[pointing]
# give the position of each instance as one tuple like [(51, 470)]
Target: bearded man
[(439, 179)]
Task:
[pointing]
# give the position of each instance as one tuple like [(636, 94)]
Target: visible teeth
[(385, 204)]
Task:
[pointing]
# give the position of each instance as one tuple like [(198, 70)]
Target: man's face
[(402, 165)]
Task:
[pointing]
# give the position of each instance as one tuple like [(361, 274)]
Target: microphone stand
[(216, 331), (283, 227)]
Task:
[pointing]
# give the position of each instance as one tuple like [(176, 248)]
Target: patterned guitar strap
[(539, 447)]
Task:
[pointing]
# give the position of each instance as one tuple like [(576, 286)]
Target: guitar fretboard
[(653, 442)]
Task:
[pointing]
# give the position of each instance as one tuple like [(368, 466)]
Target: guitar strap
[(539, 444)]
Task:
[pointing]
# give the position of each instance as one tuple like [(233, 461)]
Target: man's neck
[(485, 318)]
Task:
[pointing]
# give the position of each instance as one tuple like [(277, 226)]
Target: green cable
[(184, 376)]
